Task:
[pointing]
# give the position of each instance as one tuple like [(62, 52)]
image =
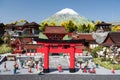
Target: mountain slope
[(66, 15)]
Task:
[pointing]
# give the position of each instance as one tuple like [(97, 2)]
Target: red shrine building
[(56, 44)]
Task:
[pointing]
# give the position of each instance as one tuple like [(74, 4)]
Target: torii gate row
[(46, 49)]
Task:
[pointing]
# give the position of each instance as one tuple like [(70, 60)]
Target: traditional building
[(55, 33), (56, 45), (113, 38), (22, 36), (90, 41), (103, 27)]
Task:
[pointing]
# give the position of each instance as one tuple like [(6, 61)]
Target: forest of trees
[(70, 26)]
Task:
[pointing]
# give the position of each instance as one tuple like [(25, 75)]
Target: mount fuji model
[(66, 15)]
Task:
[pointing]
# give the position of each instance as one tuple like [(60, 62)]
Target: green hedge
[(107, 64), (4, 48)]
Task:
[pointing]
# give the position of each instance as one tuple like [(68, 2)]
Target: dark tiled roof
[(55, 29), (113, 38)]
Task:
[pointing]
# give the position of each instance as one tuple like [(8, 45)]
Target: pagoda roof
[(55, 30), (103, 24)]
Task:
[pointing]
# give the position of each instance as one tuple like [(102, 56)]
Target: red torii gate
[(47, 46)]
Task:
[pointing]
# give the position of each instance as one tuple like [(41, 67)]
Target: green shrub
[(95, 50), (1, 41), (106, 64), (4, 48)]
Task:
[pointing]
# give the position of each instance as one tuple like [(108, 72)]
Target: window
[(36, 31), (24, 32), (33, 50), (28, 50), (19, 33)]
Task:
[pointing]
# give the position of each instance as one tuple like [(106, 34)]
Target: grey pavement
[(23, 74), (54, 61), (53, 70)]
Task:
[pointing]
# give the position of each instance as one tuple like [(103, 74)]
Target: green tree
[(1, 41), (84, 28), (16, 22), (80, 28), (114, 28), (92, 27), (43, 25), (52, 24), (64, 24), (98, 22), (87, 30), (22, 20), (71, 26), (95, 50)]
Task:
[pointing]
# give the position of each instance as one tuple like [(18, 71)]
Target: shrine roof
[(85, 36), (115, 36), (55, 29)]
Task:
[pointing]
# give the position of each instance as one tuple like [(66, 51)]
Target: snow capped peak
[(67, 11)]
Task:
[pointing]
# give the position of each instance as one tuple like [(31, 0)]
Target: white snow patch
[(67, 11)]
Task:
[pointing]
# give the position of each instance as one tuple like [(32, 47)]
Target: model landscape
[(64, 43)]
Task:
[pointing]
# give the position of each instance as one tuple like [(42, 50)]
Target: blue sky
[(38, 10)]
